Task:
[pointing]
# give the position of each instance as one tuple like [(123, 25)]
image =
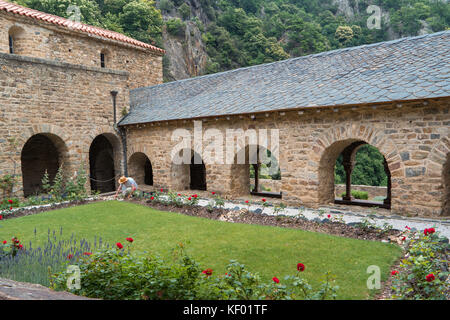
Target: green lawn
[(270, 251)]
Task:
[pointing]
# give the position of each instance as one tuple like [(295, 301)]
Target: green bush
[(119, 274), (176, 27), (362, 195), (424, 270)]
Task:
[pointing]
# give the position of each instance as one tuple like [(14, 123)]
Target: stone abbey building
[(63, 86)]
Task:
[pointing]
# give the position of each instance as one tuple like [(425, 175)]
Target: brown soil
[(333, 228)]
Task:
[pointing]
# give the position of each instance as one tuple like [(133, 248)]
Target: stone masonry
[(414, 139), (54, 87)]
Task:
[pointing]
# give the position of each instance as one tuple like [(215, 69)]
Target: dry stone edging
[(13, 290)]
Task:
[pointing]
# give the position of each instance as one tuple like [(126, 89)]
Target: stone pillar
[(387, 201), (348, 167)]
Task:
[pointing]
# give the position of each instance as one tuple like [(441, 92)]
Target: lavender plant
[(34, 264)]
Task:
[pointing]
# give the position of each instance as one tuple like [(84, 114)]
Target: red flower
[(5, 242), (189, 198), (10, 201), (430, 277), (275, 279), (129, 239), (300, 267), (213, 193), (263, 200), (1, 217), (152, 198), (195, 196), (431, 230), (408, 228), (329, 216), (119, 245), (394, 272), (87, 253), (404, 238), (161, 189), (70, 256), (10, 208), (20, 246), (179, 194), (246, 201), (208, 272)]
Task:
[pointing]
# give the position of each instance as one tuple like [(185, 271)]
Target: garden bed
[(27, 211), (243, 216)]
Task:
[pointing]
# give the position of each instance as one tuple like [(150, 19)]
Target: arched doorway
[(256, 171), (197, 173), (42, 152), (446, 183), (188, 171), (140, 169), (101, 164), (355, 173)]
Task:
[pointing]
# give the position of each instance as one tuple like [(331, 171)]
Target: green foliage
[(363, 195), (119, 274), (368, 169), (176, 27), (426, 254), (185, 11)]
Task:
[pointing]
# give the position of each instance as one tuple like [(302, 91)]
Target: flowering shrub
[(423, 274), (27, 263), (121, 274)]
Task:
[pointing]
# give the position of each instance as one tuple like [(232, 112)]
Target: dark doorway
[(38, 155), (101, 160), (140, 169), (198, 176), (148, 179)]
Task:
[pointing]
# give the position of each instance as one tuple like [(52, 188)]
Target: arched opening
[(188, 171), (197, 172), (446, 182), (14, 35), (256, 171), (140, 169), (355, 173), (42, 152), (101, 164), (105, 58)]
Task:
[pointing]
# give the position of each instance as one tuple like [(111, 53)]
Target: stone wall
[(69, 104), (413, 137), (38, 39), (273, 185), (373, 191)]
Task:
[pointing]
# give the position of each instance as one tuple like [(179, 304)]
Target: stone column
[(387, 201)]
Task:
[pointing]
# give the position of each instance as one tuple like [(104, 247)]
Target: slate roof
[(404, 69), (66, 23)]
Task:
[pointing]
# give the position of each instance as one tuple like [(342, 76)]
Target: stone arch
[(104, 163), (105, 58), (332, 143), (140, 168), (188, 171), (438, 166), (15, 35), (42, 152), (244, 158)]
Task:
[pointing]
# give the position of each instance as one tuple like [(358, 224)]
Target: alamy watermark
[(374, 21), (374, 280), (237, 146)]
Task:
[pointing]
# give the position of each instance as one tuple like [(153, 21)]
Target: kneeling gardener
[(128, 186)]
